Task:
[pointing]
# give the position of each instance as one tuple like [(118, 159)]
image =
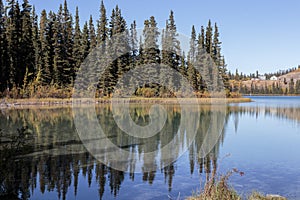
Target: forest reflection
[(56, 159)]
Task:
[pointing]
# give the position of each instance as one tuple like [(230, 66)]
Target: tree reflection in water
[(54, 159)]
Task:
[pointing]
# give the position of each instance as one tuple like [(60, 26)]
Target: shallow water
[(261, 139)]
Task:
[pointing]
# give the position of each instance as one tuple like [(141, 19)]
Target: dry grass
[(135, 100), (219, 189)]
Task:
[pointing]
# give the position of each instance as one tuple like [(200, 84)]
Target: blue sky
[(257, 35)]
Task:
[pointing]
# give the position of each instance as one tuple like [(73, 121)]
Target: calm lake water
[(261, 139)]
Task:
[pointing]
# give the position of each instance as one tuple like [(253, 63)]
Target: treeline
[(291, 88), (266, 87), (40, 56), (243, 77)]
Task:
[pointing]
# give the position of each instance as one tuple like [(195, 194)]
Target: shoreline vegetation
[(218, 187), (15, 103)]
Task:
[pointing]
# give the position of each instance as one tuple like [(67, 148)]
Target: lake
[(63, 157)]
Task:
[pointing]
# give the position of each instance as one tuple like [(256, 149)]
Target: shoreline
[(16, 103)]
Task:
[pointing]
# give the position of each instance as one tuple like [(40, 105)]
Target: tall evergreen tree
[(191, 71), (85, 42), (65, 70), (36, 43), (48, 47), (69, 69), (151, 34), (58, 58), (171, 45), (219, 60), (13, 34), (133, 41), (193, 45), (4, 67), (216, 48), (208, 39), (201, 39), (77, 52), (171, 50), (27, 53), (151, 53), (92, 36), (102, 25), (119, 43)]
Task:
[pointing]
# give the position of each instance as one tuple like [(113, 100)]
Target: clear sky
[(261, 35)]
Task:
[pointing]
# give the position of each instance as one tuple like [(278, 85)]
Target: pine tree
[(92, 34), (193, 45), (58, 59), (192, 75), (85, 42), (13, 34), (133, 43), (64, 67), (102, 25), (201, 39), (48, 47), (27, 53), (151, 52), (151, 34), (119, 43), (4, 67), (36, 43), (77, 52), (171, 45), (216, 54), (191, 71), (208, 39), (171, 51), (69, 69)]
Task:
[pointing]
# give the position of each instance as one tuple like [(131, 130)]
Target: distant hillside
[(295, 75), (283, 85)]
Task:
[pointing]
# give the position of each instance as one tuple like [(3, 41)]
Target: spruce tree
[(151, 53), (201, 39), (193, 45), (119, 43), (151, 34), (102, 25), (216, 47), (37, 60), (69, 69), (208, 39), (171, 45), (191, 71), (92, 34), (58, 59), (133, 42), (77, 52), (85, 42), (64, 67), (4, 67), (48, 47), (13, 34), (27, 53), (171, 50)]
